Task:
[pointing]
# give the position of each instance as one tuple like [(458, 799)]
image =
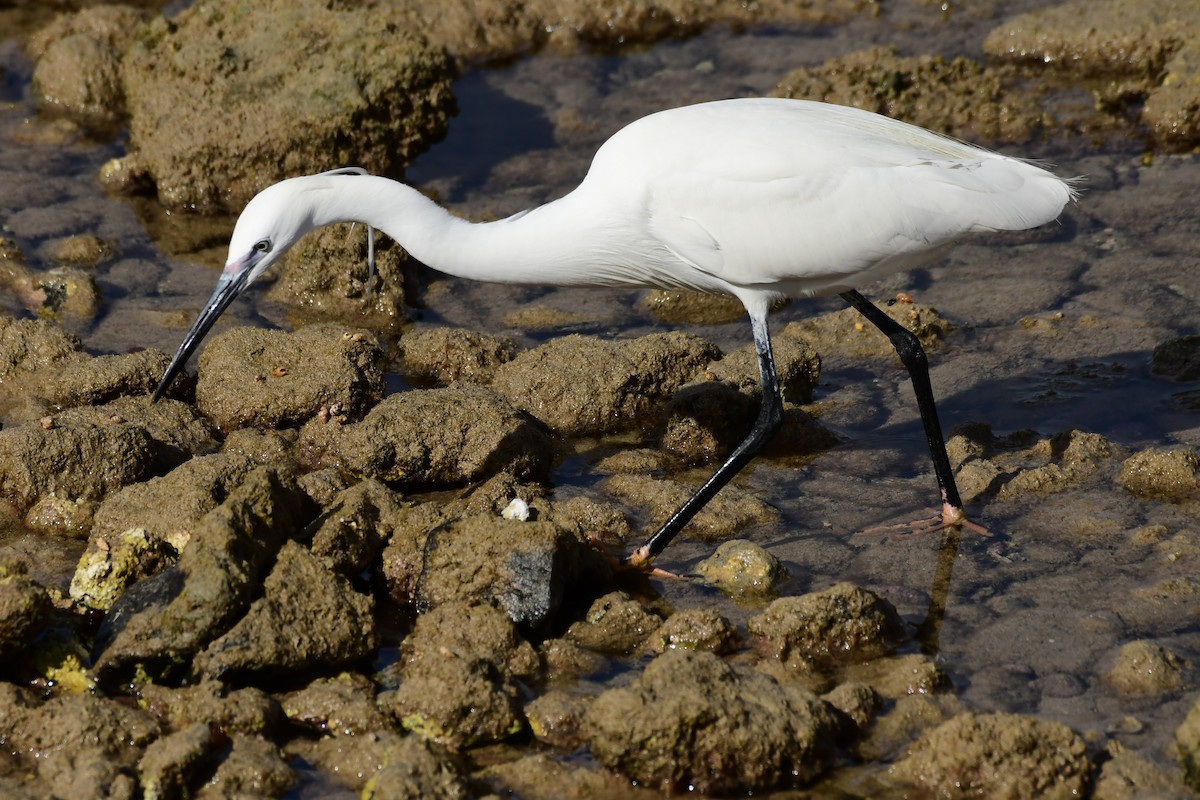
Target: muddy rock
[(324, 278), (80, 250), (472, 631), (1066, 459), (901, 676), (178, 430), (1187, 747), (567, 661), (693, 308), (174, 762), (353, 528), (447, 355), (858, 701), (711, 415), (457, 684), (99, 380), (444, 437), (315, 71), (569, 23), (614, 624), (741, 567), (1144, 667), (556, 719), (249, 766), (729, 512), (543, 777), (385, 765), (73, 456), (77, 63), (582, 385), (215, 705), (695, 629), (842, 623), (997, 755), (693, 720), (960, 97), (76, 743), (343, 705), (27, 346), (1125, 775), (272, 379), (117, 561), (61, 516), (797, 366), (168, 507), (1146, 50), (159, 624), (532, 570), (605, 523), (307, 619), (1177, 359), (23, 606), (1025, 462), (1171, 474), (80, 76), (847, 334)]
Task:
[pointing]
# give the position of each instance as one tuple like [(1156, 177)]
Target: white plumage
[(758, 198)]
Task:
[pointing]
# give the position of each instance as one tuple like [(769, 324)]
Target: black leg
[(770, 418), (908, 347)]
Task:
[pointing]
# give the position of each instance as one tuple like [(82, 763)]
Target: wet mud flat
[(364, 550)]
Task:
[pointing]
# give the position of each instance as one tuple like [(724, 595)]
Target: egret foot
[(638, 561), (951, 516)]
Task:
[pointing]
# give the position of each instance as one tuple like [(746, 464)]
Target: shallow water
[(1033, 614)]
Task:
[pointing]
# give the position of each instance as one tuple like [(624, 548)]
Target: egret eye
[(263, 246)]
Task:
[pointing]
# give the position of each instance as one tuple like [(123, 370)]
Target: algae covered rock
[(457, 685), (455, 354), (1171, 474), (199, 85), (842, 623), (741, 567), (615, 624), (1144, 667), (444, 437), (270, 378), (78, 742), (308, 618), (1000, 756), (23, 606), (77, 70), (530, 569), (695, 629), (160, 623), (692, 720), (75, 456), (580, 385)]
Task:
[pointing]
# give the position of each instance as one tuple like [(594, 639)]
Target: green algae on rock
[(159, 624), (741, 567)]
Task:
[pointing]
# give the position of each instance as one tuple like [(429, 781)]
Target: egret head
[(271, 223)]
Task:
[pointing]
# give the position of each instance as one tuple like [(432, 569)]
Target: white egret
[(758, 198)]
